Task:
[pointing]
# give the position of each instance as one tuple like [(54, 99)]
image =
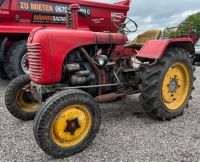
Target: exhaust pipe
[(109, 97), (113, 96)]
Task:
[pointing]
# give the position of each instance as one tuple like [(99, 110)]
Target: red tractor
[(90, 62), (18, 19)]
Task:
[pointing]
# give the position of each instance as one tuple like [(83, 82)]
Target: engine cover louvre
[(35, 60)]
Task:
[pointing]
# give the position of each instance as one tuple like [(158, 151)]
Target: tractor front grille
[(35, 61)]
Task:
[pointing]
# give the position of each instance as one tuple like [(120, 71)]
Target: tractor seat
[(141, 39)]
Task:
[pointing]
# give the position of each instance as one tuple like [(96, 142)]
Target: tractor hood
[(48, 48)]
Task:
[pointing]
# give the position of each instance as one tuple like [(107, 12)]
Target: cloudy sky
[(153, 14)]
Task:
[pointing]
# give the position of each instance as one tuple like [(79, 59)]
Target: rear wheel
[(67, 123), (166, 86), (17, 60), (19, 100)]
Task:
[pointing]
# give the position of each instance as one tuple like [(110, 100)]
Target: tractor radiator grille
[(35, 61)]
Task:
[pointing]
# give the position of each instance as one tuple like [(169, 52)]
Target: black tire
[(12, 102), (51, 108), (14, 57), (193, 60), (2, 72), (152, 80)]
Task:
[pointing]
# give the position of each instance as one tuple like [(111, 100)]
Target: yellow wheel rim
[(25, 101), (71, 126), (176, 86)]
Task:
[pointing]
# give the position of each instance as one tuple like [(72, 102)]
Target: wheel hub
[(25, 64), (26, 100), (173, 85), (72, 126)]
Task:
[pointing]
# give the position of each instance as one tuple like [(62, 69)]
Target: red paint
[(120, 52), (57, 44), (154, 49), (50, 46), (74, 8), (23, 23)]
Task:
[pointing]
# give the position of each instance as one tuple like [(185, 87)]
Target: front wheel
[(19, 99), (166, 86), (67, 123)]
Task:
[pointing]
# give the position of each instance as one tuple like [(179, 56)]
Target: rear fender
[(155, 49)]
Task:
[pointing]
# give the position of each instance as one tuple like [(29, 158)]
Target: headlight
[(102, 60)]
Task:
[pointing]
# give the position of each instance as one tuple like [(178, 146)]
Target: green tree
[(183, 28), (194, 20)]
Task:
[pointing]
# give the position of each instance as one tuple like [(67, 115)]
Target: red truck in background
[(19, 17)]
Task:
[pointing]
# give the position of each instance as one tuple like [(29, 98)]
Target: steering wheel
[(123, 26)]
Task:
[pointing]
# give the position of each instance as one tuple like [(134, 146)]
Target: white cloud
[(189, 12), (148, 19)]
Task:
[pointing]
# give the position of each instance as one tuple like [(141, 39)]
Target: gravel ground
[(126, 134)]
